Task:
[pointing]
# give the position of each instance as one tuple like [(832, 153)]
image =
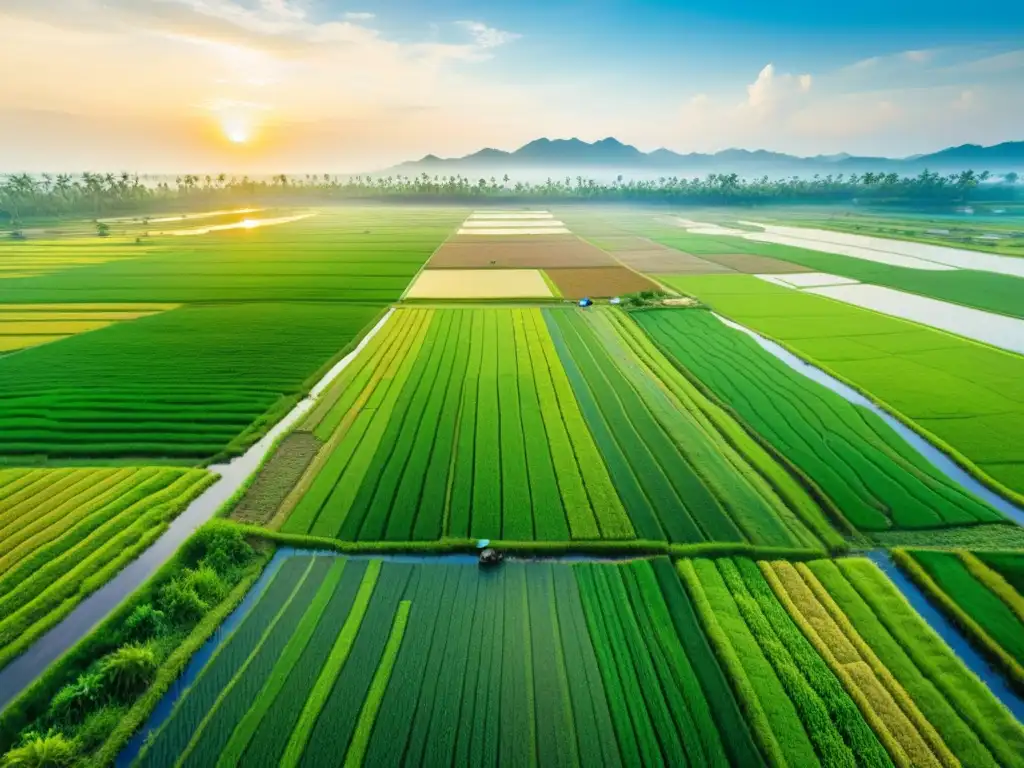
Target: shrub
[(145, 623), (52, 750), (76, 699), (129, 670), (221, 547), (206, 583), (180, 601), (97, 726)]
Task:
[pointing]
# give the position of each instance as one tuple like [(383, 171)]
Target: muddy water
[(933, 455), (17, 675), (945, 629)]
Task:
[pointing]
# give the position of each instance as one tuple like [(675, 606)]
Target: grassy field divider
[(171, 669), (728, 658), (245, 729), (886, 707), (371, 704), (626, 547), (550, 284), (994, 581), (1008, 664), (332, 668)]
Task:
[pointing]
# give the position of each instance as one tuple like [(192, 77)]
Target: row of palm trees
[(25, 196)]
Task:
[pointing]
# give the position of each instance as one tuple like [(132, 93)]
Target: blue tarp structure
[(584, 302)]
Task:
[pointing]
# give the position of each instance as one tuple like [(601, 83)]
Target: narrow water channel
[(166, 704), (952, 636), (932, 454), (20, 673)]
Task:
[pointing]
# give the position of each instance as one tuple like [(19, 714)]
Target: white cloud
[(771, 91), (918, 57), (360, 16), (485, 36), (906, 103)]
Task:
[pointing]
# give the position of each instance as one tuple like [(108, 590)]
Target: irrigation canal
[(931, 453), (937, 620)]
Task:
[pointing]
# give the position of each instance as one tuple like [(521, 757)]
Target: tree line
[(24, 196)]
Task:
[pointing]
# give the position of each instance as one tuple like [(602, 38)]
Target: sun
[(236, 130)]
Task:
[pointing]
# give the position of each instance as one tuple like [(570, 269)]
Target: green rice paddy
[(672, 501)]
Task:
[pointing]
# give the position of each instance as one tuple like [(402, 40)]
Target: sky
[(336, 86)]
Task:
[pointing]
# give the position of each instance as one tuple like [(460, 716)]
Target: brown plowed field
[(668, 261), (616, 243), (598, 281), (752, 264), (525, 252), (552, 237)]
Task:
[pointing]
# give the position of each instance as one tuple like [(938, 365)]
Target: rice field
[(23, 326), (970, 397), (350, 255), (981, 281), (187, 384), (523, 425), (989, 328), (665, 490), (427, 438), (875, 478), (64, 532), (705, 662)]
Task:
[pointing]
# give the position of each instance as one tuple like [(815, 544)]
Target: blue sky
[(304, 84)]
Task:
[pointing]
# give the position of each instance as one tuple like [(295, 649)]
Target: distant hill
[(610, 156)]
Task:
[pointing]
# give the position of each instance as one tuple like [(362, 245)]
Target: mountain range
[(610, 157)]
